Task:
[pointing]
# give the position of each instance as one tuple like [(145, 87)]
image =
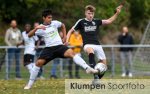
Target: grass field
[(50, 86), (40, 87)]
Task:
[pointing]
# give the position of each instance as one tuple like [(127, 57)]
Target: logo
[(93, 23), (85, 23)]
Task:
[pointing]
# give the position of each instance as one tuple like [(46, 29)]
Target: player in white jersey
[(29, 51), (54, 46)]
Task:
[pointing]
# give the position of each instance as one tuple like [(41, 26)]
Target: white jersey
[(50, 34), (29, 43)]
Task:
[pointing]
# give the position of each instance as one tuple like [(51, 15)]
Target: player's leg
[(79, 61), (45, 56), (28, 61), (89, 49), (34, 72), (102, 59)]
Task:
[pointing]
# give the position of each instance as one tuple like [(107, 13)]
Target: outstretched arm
[(32, 32), (113, 18)]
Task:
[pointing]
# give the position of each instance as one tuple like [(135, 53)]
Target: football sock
[(33, 75), (79, 61), (92, 63), (29, 67)]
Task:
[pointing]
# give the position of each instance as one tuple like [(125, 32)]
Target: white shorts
[(98, 50)]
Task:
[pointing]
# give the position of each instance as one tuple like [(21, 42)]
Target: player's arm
[(69, 34), (113, 18), (63, 30), (32, 32)]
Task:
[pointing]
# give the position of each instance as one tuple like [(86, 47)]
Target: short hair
[(90, 7), (46, 12)]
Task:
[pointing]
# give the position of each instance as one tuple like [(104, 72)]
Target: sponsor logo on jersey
[(90, 28)]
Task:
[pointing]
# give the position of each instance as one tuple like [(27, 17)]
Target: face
[(27, 27), (47, 19), (13, 24), (125, 30), (76, 33), (89, 15)]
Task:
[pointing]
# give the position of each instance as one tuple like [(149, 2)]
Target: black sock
[(92, 63), (92, 60)]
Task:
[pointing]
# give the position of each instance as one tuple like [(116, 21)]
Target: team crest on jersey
[(93, 23), (85, 23)]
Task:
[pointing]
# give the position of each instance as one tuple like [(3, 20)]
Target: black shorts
[(28, 58), (49, 53)]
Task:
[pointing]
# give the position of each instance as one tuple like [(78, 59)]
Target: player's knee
[(40, 63), (102, 61), (69, 53)]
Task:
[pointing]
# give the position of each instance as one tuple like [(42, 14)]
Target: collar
[(88, 20)]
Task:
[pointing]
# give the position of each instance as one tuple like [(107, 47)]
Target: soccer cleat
[(90, 70), (27, 87)]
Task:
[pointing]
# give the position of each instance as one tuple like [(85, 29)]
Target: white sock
[(29, 67), (79, 61), (33, 75)]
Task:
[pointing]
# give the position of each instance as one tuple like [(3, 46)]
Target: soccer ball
[(101, 68)]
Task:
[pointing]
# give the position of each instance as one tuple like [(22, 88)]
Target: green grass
[(40, 87)]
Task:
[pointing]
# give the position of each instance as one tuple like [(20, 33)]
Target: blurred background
[(135, 15)]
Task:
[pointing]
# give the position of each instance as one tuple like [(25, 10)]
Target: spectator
[(126, 52), (76, 42), (38, 51), (12, 37)]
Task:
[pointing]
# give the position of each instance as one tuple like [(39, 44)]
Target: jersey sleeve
[(36, 38), (77, 26), (58, 24), (99, 22), (39, 32)]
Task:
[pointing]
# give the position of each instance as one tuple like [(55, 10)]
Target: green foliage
[(135, 12)]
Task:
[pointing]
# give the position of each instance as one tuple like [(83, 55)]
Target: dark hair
[(90, 7), (46, 12)]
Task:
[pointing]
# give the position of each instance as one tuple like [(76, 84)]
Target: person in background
[(12, 37), (126, 52), (76, 43), (40, 42), (29, 44)]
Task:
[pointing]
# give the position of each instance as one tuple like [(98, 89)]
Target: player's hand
[(66, 43), (40, 27), (64, 39), (118, 9)]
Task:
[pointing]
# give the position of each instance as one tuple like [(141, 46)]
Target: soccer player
[(54, 46), (89, 28), (29, 51)]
